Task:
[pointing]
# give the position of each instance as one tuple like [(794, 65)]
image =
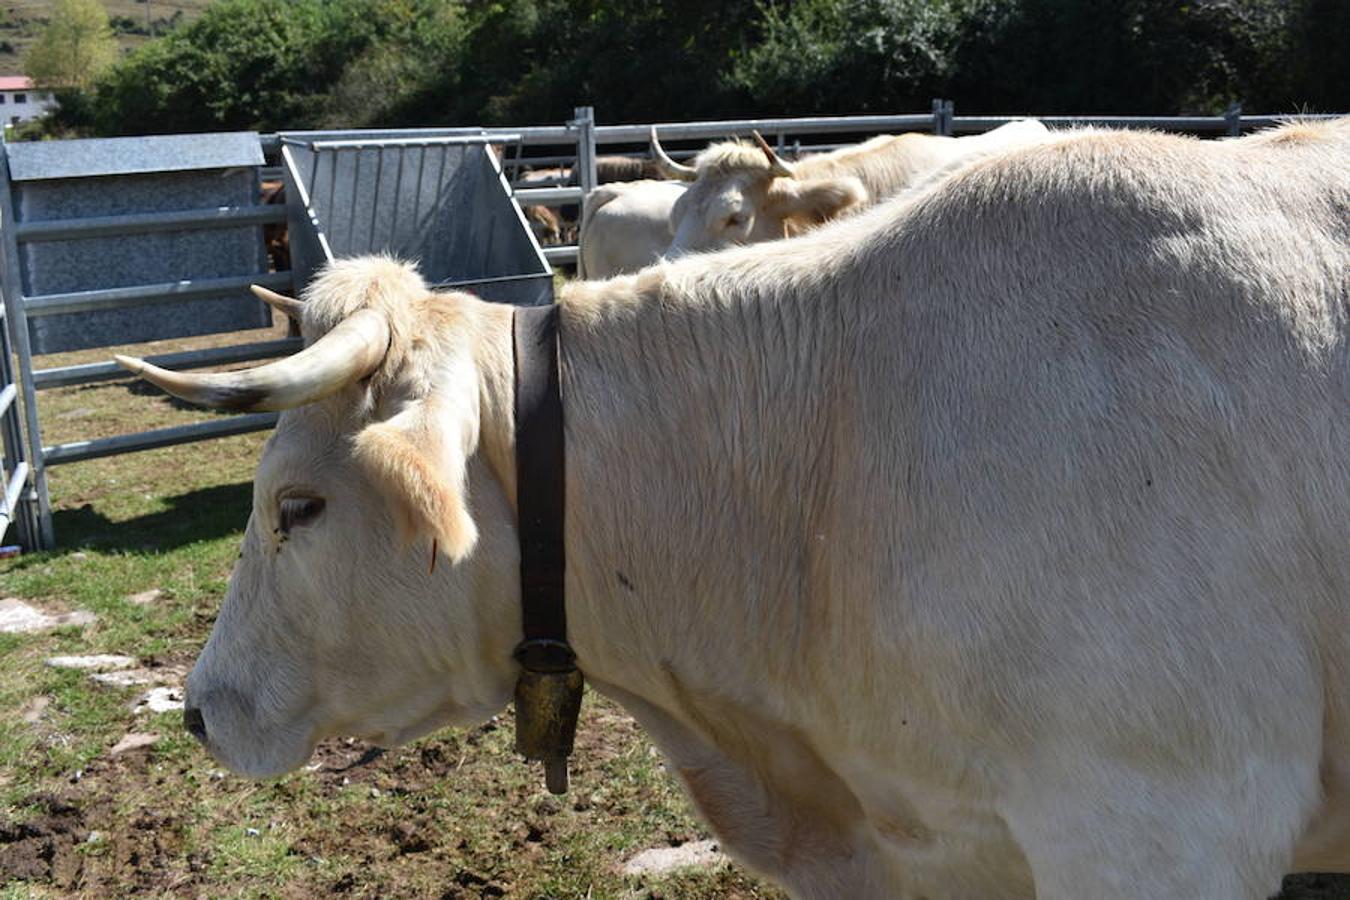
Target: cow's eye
[(299, 511)]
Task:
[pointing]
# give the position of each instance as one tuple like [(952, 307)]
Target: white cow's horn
[(779, 168), (291, 307), (677, 171), (351, 351)]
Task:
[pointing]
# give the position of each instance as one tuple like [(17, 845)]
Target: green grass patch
[(256, 854)]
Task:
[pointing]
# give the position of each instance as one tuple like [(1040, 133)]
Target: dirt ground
[(453, 816), (86, 842)]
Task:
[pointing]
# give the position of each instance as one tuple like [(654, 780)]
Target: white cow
[(626, 226), (990, 544), (742, 194)]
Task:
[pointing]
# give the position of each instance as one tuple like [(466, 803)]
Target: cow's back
[(625, 226), (1104, 337), (1126, 409), (889, 164)]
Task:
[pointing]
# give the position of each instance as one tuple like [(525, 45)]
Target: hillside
[(133, 20)]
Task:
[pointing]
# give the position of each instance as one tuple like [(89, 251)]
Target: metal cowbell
[(547, 705)]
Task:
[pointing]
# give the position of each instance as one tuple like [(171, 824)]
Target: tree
[(854, 56), (269, 65), (278, 64), (75, 46)]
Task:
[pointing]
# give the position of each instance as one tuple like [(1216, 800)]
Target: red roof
[(15, 83)]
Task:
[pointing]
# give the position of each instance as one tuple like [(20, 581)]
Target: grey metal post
[(1233, 117), (942, 116), (37, 498), (22, 514), (583, 122)]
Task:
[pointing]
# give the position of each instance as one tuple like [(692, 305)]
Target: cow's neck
[(703, 420), (495, 364)]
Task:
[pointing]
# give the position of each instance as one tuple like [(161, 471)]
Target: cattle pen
[(105, 793), (49, 281)]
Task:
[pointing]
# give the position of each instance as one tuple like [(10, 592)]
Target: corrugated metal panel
[(38, 160)]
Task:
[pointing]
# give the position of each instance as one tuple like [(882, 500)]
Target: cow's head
[(742, 193), (545, 224), (338, 619)]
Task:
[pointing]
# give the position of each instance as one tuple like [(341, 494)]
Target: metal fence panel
[(58, 186), (14, 471), (92, 157)]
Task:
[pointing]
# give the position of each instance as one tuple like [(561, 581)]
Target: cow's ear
[(816, 201), (419, 460)]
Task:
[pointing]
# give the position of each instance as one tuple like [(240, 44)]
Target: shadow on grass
[(204, 514), (137, 387), (140, 388)]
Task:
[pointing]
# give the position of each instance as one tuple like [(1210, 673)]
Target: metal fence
[(793, 137), (134, 239), (89, 240), (15, 470), (127, 240)]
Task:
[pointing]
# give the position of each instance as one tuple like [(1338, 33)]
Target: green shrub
[(1129, 57), (857, 55), (269, 65), (256, 64)]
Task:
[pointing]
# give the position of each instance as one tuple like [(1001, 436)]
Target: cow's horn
[(672, 169), (351, 351), (291, 307), (779, 168)]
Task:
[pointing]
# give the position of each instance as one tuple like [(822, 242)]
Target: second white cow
[(740, 193), (626, 226)]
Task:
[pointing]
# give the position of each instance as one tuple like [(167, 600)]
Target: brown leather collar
[(548, 694)]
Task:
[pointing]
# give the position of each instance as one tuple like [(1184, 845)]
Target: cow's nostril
[(195, 723)]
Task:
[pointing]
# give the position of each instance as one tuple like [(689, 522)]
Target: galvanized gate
[(15, 508), (135, 239), (126, 240)]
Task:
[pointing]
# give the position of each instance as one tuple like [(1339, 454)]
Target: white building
[(20, 101)]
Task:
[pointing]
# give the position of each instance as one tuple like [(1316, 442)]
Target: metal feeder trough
[(437, 199)]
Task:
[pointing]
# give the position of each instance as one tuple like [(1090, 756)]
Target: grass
[(453, 815)]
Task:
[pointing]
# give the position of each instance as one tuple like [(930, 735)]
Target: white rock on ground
[(145, 598), (158, 700), (126, 677), (98, 662), (660, 860), (133, 741), (17, 616), (170, 675), (35, 709)]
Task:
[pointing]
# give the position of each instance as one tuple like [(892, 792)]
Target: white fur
[(990, 544), (625, 226), (737, 200)]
